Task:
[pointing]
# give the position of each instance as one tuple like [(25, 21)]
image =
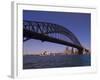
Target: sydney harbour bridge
[(51, 32)]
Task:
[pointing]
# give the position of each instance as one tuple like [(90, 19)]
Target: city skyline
[(78, 23)]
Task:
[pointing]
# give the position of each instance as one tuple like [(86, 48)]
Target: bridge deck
[(42, 37)]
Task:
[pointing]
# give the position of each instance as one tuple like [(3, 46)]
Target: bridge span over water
[(51, 32)]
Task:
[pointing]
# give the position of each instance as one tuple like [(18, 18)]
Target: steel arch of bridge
[(40, 30)]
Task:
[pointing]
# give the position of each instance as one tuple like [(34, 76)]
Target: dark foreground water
[(35, 62)]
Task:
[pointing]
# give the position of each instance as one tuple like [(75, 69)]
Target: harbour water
[(50, 61)]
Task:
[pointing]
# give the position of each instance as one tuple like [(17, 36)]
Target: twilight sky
[(78, 23)]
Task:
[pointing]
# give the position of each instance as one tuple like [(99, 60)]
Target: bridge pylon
[(80, 51)]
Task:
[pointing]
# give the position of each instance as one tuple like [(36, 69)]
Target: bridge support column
[(72, 50), (80, 51)]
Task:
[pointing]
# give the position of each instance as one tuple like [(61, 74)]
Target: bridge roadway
[(43, 37)]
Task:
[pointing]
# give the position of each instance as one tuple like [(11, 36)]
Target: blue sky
[(78, 23)]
